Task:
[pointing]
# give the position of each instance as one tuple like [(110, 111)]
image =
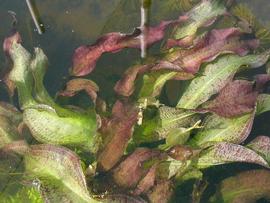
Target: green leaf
[(247, 186), (145, 133), (170, 167), (49, 127), (192, 173), (263, 103), (223, 153), (154, 82), (59, 173), (24, 195), (172, 118), (178, 136), (157, 125), (21, 75), (245, 14), (38, 67), (8, 132), (219, 129), (261, 145), (215, 76), (202, 14)]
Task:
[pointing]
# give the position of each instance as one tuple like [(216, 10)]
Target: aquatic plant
[(140, 149)]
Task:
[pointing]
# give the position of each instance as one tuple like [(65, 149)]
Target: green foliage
[(202, 14), (245, 14), (179, 142), (248, 186), (214, 78), (45, 123), (24, 195), (218, 129), (153, 83)]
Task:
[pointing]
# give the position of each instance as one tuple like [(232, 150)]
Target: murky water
[(69, 24)]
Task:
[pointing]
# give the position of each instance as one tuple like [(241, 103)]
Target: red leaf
[(181, 152), (76, 85), (131, 170), (261, 80), (85, 57), (261, 145), (217, 42), (147, 182), (125, 86), (116, 132), (236, 98), (13, 38)]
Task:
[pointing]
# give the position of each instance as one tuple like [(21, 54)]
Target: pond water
[(69, 24)]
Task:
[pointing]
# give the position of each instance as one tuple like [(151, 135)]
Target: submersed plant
[(145, 148)]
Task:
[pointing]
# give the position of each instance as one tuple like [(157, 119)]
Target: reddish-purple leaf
[(236, 98), (19, 147), (161, 192), (153, 82), (217, 42), (13, 38), (261, 80), (85, 57), (185, 42), (11, 112), (116, 132), (147, 182), (224, 152), (122, 198), (76, 85), (131, 170), (261, 145), (125, 86), (181, 152)]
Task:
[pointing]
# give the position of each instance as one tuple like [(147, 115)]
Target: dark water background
[(71, 23)]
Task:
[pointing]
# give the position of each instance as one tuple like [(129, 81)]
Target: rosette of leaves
[(57, 171), (144, 150), (47, 121)]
